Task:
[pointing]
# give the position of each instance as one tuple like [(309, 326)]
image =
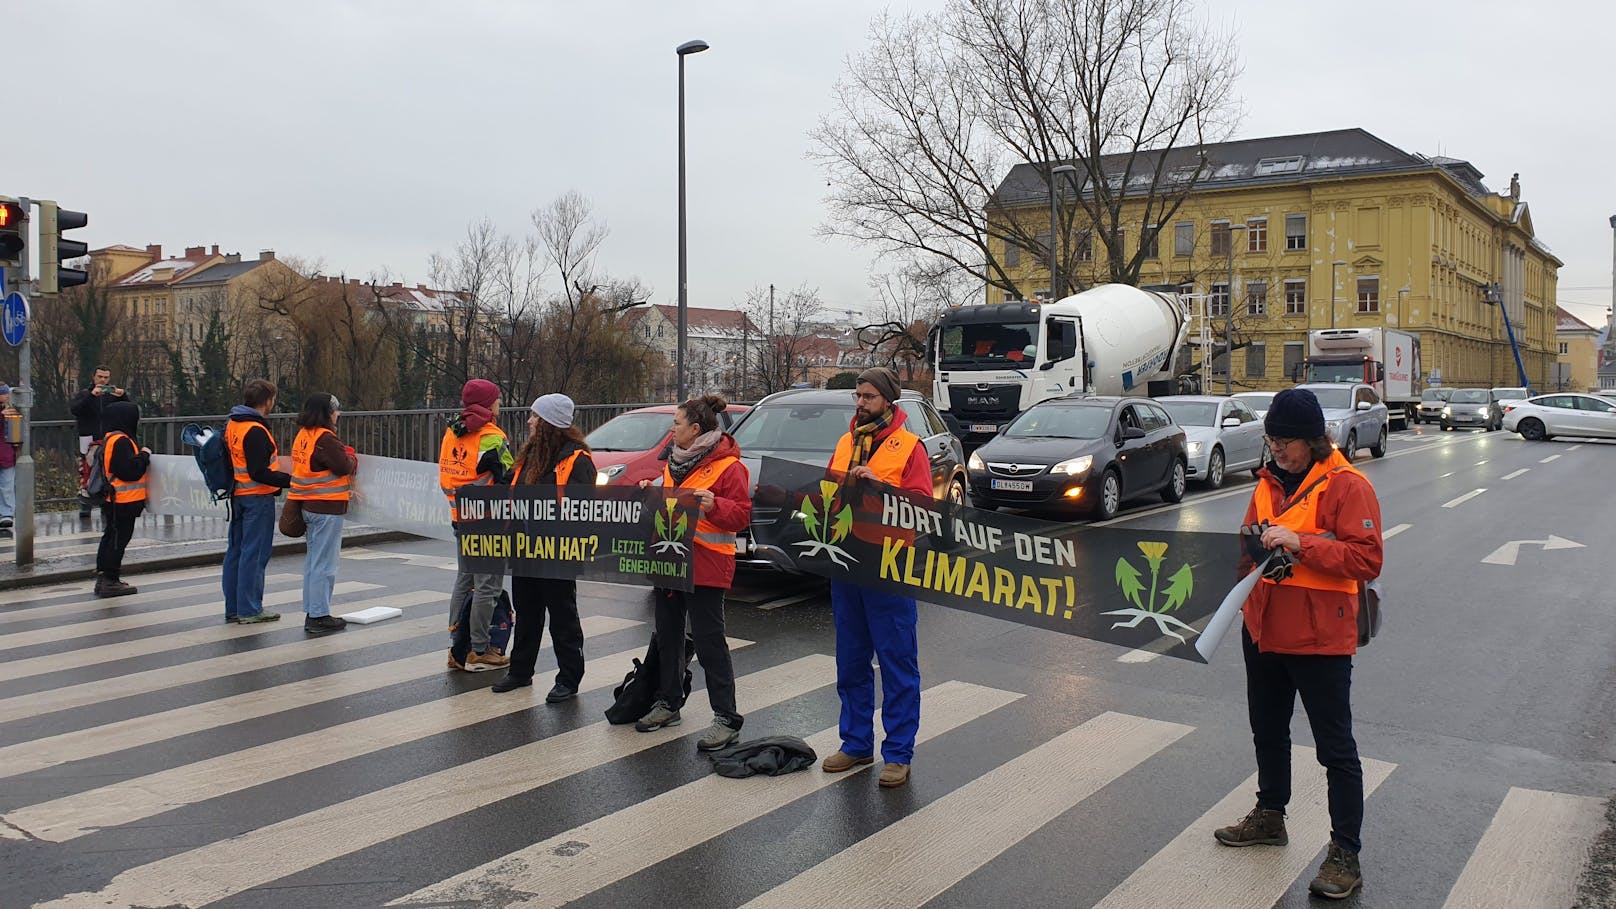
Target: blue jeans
[(252, 531), (882, 625), (8, 491), (324, 539)]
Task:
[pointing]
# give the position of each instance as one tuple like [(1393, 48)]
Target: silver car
[(1354, 416), (1221, 434), (1258, 401)]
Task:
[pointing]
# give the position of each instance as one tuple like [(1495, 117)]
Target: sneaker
[(1261, 827), (661, 715), (509, 682), (258, 619), (719, 735), (5, 522), (1339, 876), (894, 775), (325, 624), (482, 662), (560, 693), (456, 662), (841, 762), (111, 587)]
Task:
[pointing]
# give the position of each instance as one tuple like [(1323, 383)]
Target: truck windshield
[(988, 345), (1352, 371)]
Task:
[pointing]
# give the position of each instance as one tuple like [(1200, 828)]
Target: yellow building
[(1334, 229), (1578, 357)]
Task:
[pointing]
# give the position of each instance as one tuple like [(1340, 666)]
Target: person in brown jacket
[(322, 468)]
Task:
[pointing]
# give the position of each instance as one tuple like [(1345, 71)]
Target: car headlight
[(1484, 412), (974, 462), (1335, 426), (1194, 448), (1447, 411), (1075, 467), (609, 474)]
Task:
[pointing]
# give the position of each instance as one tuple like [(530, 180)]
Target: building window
[(1220, 364), (1293, 359), (1369, 294), (1218, 305), (1256, 361), (1296, 297), (1269, 166), (1220, 238), (1012, 254), (1257, 235), (1257, 298), (1184, 238), (1150, 242), (1009, 297), (1186, 288), (1564, 348), (1085, 246), (1295, 232)]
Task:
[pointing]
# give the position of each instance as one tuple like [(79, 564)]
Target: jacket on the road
[(1288, 618), (731, 511), (89, 411)]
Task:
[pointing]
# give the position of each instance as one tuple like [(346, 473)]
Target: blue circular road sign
[(14, 318)]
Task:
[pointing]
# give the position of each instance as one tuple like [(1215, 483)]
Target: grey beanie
[(554, 409), (884, 380)]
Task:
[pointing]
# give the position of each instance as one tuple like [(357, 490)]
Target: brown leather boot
[(1261, 827), (1339, 876), (841, 762), (894, 775)]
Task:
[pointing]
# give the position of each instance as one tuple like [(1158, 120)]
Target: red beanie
[(479, 391)]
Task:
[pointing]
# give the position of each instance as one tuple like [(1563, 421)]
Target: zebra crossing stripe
[(548, 875), (143, 619), (912, 861), (132, 800), (30, 597), (362, 554), (82, 744), (221, 869), (1532, 853), (52, 700), (107, 653), (38, 612), (1193, 870)]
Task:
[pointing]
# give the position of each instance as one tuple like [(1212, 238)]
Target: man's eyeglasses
[(866, 396), (1272, 442)]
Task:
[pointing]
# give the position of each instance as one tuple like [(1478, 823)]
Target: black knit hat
[(1294, 414)]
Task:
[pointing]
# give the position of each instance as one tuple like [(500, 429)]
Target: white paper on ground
[(373, 614)]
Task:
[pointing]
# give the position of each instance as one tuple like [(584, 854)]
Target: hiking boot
[(508, 682), (258, 619), (841, 762), (719, 735), (560, 693), (490, 659), (894, 775), (1339, 876), (456, 662), (1261, 827), (112, 587), (661, 715), (325, 624)]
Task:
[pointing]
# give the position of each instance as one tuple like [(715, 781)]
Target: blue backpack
[(212, 457)]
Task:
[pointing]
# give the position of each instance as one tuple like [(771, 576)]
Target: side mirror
[(1364, 405), (1231, 422), (1049, 365), (1132, 432)]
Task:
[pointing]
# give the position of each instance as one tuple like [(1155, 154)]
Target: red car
[(632, 446)]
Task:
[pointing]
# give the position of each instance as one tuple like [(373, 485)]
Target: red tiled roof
[(1565, 321)]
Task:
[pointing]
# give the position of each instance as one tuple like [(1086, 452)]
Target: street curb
[(192, 560)]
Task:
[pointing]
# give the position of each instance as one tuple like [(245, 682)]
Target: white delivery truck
[(1386, 358), (991, 362)]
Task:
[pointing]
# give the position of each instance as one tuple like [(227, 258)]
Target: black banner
[(622, 534), (1147, 589)]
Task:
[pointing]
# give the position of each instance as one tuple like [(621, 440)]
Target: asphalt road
[(152, 756)]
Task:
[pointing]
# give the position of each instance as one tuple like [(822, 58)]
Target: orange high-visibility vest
[(122, 490), (563, 470), (458, 457), (1303, 518), (309, 484), (235, 433), (887, 462), (708, 535)]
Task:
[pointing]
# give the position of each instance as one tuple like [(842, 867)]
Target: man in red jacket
[(868, 622), (1317, 522)]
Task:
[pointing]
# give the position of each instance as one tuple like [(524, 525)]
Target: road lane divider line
[(1464, 498), (1574, 447), (1195, 870), (1513, 475), (1553, 457), (27, 757), (1532, 853), (547, 874), (1481, 462), (217, 871), (1394, 531), (33, 597), (146, 595)]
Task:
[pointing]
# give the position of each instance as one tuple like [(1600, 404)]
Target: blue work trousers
[(879, 625), (246, 555)]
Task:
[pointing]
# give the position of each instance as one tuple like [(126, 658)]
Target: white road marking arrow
[(1507, 553)]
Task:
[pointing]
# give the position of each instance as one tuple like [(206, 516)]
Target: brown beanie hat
[(884, 380)]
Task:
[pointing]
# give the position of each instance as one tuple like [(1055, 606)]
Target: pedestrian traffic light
[(13, 222), (54, 249)]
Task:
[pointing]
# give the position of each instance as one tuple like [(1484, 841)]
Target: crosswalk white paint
[(216, 871), (44, 595), (28, 757), (143, 619), (1194, 870), (148, 594), (622, 843), (59, 660), (132, 800), (361, 554), (1532, 853), (913, 860)]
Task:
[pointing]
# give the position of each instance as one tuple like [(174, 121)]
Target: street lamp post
[(1333, 266), (1228, 318), (683, 50), (1054, 232)]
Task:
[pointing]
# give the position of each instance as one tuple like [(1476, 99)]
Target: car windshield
[(631, 432), (794, 427), (1511, 394), (1435, 394), (1060, 422), (989, 345), (1256, 401), (1333, 398), (1470, 396), (1192, 413)]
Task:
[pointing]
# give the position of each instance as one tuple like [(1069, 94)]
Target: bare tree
[(931, 118), (908, 301), (792, 326)]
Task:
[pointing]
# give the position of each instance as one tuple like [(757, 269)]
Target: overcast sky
[(368, 134)]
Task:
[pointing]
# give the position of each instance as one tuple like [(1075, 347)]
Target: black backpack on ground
[(633, 698)]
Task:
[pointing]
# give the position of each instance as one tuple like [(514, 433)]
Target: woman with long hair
[(554, 454), (322, 468)]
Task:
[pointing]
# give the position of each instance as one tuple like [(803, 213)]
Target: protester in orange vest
[(555, 454), (706, 463), (474, 453), (868, 622), (1317, 522), (126, 465), (322, 469), (252, 503)]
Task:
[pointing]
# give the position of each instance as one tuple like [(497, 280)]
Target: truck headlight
[(1075, 467), (974, 462), (1195, 449)]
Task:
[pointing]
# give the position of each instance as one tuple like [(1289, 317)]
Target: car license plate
[(984, 427), (1012, 485)]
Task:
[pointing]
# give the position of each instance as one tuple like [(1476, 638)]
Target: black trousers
[(531, 598), (705, 608), (119, 521), (1273, 680)]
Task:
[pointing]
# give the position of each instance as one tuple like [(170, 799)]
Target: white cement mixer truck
[(991, 362)]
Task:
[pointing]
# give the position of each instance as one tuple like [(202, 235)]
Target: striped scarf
[(864, 437)]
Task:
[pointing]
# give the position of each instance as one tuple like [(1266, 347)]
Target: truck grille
[(972, 403)]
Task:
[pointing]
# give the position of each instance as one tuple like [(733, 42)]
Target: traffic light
[(13, 230), (54, 248)]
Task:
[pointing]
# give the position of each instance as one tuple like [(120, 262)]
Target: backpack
[(212, 458), (97, 487), (633, 698), (499, 627)]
